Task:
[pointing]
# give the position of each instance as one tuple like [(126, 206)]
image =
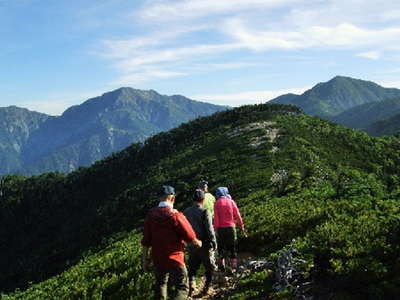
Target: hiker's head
[(222, 191), (167, 193), (203, 185), (198, 196)]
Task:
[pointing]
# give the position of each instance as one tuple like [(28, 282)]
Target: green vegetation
[(351, 102), (386, 126), (329, 191), (329, 99), (365, 115)]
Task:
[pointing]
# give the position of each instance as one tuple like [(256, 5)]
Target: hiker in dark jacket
[(201, 221), (165, 231)]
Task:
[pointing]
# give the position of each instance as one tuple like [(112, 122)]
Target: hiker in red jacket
[(165, 232), (226, 214)]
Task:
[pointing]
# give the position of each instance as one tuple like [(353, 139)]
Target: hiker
[(226, 213), (201, 221), (209, 199), (165, 231)]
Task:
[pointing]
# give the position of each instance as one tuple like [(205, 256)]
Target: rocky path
[(287, 269), (224, 285)]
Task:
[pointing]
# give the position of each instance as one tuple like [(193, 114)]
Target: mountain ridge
[(328, 99), (16, 126), (101, 125), (364, 115)]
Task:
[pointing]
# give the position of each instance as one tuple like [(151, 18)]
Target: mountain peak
[(129, 91), (328, 99), (343, 79), (87, 132), (13, 109)]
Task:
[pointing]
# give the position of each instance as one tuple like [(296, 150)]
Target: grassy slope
[(50, 219), (338, 201)]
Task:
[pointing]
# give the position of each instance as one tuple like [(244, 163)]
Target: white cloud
[(223, 66), (133, 78), (390, 84), (391, 15), (196, 33), (167, 10), (161, 64), (134, 58), (123, 48), (370, 55), (150, 58), (247, 97), (342, 36)]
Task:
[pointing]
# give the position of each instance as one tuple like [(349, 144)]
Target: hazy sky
[(57, 53)]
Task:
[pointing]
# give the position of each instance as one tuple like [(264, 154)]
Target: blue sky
[(57, 53)]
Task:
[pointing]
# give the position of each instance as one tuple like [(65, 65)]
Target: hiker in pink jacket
[(226, 213)]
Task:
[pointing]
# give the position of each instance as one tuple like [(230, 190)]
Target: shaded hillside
[(339, 94), (88, 132), (328, 191), (16, 127), (365, 115), (385, 127)]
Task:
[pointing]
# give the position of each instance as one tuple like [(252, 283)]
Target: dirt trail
[(224, 285)]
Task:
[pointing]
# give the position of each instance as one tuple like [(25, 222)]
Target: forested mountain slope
[(386, 126), (300, 181), (365, 115), (16, 127), (328, 99), (88, 132)]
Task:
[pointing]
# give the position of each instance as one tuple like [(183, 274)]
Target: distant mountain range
[(365, 115), (351, 102), (386, 126), (32, 142)]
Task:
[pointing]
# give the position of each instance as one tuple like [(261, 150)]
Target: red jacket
[(165, 230)]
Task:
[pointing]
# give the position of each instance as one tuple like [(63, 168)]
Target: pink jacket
[(225, 213)]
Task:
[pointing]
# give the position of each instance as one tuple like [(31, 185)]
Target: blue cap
[(222, 191), (166, 190)]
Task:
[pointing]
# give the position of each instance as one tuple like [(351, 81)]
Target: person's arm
[(237, 215), (210, 229), (186, 231)]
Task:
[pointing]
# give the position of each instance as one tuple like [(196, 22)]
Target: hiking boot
[(229, 271)]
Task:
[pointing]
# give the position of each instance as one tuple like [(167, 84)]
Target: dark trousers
[(227, 242), (174, 278), (198, 256)]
